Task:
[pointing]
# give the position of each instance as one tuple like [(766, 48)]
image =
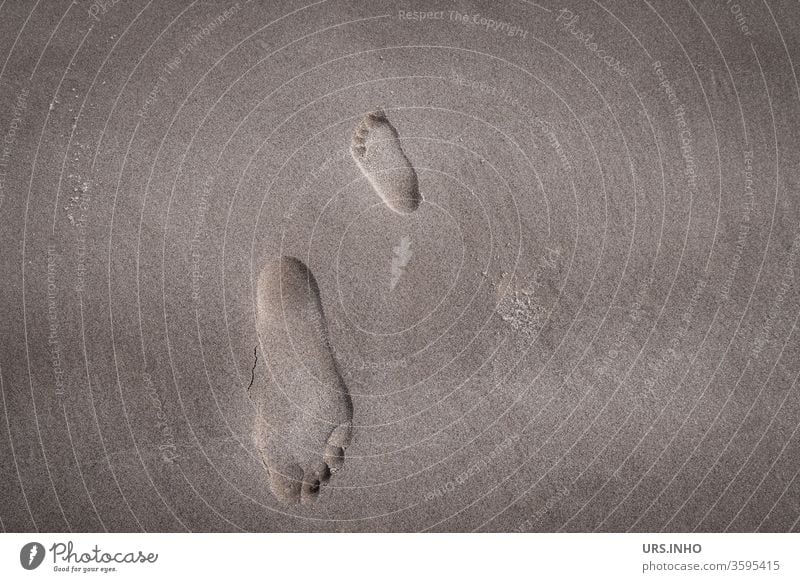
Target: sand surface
[(555, 270)]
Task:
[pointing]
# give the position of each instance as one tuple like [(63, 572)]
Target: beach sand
[(377, 266)]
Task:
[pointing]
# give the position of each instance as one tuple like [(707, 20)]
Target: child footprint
[(375, 147), (304, 412)]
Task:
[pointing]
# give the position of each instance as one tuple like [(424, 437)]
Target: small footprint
[(375, 147), (304, 412)]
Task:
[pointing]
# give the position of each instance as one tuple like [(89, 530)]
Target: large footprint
[(376, 149), (304, 413)]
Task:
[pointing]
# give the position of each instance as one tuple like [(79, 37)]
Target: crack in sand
[(253, 371)]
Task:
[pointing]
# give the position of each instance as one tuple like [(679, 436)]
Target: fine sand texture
[(379, 266)]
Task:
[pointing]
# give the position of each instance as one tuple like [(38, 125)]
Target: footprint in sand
[(304, 412), (376, 149)]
